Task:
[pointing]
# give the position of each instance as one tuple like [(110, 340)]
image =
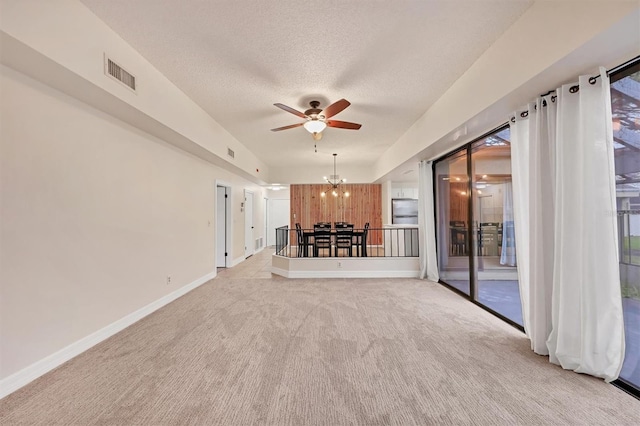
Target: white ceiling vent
[(230, 153), (116, 71)]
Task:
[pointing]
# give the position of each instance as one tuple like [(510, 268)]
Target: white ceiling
[(391, 59)]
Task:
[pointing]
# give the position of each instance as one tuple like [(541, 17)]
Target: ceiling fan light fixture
[(315, 126), (318, 119)]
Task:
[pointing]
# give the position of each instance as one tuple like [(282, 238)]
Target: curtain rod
[(620, 67), (576, 88), (592, 80)]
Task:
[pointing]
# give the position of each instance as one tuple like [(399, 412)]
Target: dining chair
[(457, 238), (365, 234), (344, 239), (360, 240), (300, 240), (321, 239)]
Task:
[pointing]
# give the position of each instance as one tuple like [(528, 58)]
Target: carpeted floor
[(246, 349)]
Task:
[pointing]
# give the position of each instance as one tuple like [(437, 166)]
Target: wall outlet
[(168, 279), (339, 264)]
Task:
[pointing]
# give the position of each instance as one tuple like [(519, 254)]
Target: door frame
[(249, 249), (228, 261), (266, 222)]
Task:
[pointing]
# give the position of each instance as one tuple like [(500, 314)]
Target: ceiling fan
[(318, 119)]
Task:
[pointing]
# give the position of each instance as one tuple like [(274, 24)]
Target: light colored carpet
[(244, 350)]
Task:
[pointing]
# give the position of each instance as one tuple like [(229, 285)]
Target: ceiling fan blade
[(335, 108), (287, 127), (343, 124), (291, 110)]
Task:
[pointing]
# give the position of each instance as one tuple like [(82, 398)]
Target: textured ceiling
[(390, 59)]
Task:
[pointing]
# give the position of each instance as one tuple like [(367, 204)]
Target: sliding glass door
[(625, 105), (476, 240), (496, 274), (474, 219), (452, 187)]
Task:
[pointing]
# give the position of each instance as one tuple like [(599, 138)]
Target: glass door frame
[(472, 296), (616, 74)]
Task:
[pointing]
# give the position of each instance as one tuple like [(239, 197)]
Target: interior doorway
[(249, 240), (266, 221), (278, 216), (223, 232)]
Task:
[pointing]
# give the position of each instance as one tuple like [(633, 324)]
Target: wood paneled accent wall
[(458, 203), (364, 204)]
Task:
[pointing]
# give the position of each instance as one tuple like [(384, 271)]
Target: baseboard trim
[(237, 261), (344, 274), (28, 374)]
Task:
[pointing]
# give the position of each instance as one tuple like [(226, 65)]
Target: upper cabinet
[(404, 190)]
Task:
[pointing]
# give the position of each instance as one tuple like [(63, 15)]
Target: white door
[(278, 216), (266, 221), (221, 227), (248, 224)]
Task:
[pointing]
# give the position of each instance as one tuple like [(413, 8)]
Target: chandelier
[(334, 182)]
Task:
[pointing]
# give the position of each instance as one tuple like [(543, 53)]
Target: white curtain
[(535, 130), (520, 177), (426, 223), (571, 290), (508, 250)]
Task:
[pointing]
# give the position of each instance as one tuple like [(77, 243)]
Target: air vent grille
[(258, 243), (230, 153), (120, 74)]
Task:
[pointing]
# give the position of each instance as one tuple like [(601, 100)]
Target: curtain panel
[(566, 228), (426, 223)]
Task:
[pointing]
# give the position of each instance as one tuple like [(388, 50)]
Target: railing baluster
[(387, 242)]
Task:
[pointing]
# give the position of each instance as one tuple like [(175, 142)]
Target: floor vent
[(230, 153), (116, 71)]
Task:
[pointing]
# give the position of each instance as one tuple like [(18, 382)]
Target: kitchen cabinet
[(404, 190)]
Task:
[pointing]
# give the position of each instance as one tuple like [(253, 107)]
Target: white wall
[(492, 204), (552, 43), (279, 212), (314, 175), (94, 214), (68, 34)]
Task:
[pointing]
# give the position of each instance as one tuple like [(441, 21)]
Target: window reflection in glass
[(452, 187), (494, 262), (625, 106), (485, 242)]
